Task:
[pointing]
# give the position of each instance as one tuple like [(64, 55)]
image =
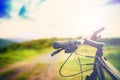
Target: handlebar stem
[(99, 53), (97, 45), (93, 43)]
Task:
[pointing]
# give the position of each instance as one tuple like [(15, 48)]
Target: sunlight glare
[(92, 21)]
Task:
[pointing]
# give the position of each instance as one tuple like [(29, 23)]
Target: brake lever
[(95, 36), (56, 52)]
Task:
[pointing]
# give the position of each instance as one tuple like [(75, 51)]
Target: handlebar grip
[(69, 46), (57, 45), (57, 51)]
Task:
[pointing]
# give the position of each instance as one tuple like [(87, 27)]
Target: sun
[(92, 21)]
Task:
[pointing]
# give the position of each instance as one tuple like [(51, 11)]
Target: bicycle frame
[(101, 64)]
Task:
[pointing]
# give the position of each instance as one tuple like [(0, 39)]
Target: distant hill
[(43, 43), (8, 41), (18, 40), (5, 42), (33, 44), (111, 41)]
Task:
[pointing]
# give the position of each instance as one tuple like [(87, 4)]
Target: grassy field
[(112, 53), (19, 55), (28, 50), (23, 51), (34, 73)]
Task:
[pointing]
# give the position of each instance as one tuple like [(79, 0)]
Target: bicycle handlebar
[(93, 43), (94, 35), (99, 30), (55, 52), (71, 45)]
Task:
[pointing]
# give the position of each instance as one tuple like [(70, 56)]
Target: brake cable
[(60, 70), (80, 67)]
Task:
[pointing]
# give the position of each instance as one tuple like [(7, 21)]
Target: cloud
[(14, 8)]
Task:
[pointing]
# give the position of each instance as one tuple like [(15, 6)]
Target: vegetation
[(34, 73), (29, 75), (112, 53), (19, 55), (43, 43), (23, 51), (34, 44), (111, 41), (5, 42)]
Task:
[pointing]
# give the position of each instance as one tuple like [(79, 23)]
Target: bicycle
[(100, 62)]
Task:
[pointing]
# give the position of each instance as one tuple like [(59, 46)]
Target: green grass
[(112, 53), (34, 73), (19, 55), (72, 67)]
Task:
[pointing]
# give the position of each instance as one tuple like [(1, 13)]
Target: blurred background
[(29, 27)]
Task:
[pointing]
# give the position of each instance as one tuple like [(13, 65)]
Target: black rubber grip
[(57, 51), (69, 46)]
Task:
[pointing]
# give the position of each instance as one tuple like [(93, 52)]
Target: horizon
[(29, 39)]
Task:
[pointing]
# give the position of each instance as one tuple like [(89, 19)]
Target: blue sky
[(33, 19)]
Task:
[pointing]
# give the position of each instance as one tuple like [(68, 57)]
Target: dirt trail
[(22, 67), (49, 73)]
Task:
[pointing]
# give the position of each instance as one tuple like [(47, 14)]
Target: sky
[(33, 19)]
